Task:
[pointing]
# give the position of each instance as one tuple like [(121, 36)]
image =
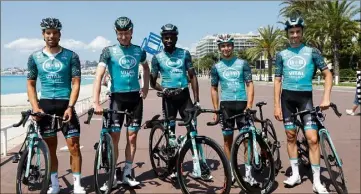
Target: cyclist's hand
[(67, 115), (278, 114), (325, 104), (98, 110), (143, 92), (215, 117), (39, 110)]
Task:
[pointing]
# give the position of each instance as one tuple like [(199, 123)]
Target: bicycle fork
[(30, 147)]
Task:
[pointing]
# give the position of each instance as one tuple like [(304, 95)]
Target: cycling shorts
[(232, 108)]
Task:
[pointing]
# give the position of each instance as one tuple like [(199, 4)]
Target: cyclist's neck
[(169, 50), (230, 58), (125, 46), (296, 45), (52, 50)]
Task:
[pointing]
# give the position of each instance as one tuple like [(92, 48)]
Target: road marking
[(65, 148)]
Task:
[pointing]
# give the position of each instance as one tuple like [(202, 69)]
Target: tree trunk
[(336, 58), (269, 68)]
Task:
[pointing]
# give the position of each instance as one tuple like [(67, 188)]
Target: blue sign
[(153, 44)]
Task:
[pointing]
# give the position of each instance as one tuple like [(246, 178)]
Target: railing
[(81, 108)]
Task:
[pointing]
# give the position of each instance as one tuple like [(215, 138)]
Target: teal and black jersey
[(297, 66), (55, 72), (172, 67), (233, 74), (123, 66)]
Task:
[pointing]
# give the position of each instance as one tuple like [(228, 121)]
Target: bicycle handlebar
[(104, 112), (26, 114), (317, 109), (194, 112)]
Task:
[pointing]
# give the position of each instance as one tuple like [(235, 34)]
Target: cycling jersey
[(297, 66), (123, 66), (55, 72), (172, 67), (232, 74)]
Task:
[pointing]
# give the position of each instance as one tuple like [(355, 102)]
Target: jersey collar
[(52, 55)]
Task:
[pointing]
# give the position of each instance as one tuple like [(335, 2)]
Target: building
[(207, 44)]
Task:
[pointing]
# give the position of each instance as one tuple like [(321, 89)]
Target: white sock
[(127, 168), (76, 179), (54, 179), (294, 166), (316, 173), (248, 170)]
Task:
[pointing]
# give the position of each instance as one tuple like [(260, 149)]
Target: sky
[(88, 26)]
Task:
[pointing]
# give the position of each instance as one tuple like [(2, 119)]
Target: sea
[(12, 84)]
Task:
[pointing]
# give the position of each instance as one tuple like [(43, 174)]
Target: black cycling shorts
[(58, 107), (130, 101), (295, 101), (232, 108), (177, 103)]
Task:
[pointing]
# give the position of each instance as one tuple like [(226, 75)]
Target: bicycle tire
[(23, 162), (323, 140), (108, 142), (215, 146), (234, 154), (274, 148), (151, 154)]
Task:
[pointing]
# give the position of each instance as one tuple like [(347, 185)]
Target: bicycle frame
[(32, 135)]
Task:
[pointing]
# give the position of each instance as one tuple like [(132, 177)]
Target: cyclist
[(296, 65), (122, 61), (233, 74), (174, 64), (59, 72)]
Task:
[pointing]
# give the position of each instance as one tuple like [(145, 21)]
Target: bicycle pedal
[(96, 146), (15, 158), (278, 144)]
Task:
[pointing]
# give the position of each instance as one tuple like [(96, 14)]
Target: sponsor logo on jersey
[(174, 62), (296, 63), (127, 62), (52, 65), (231, 74)]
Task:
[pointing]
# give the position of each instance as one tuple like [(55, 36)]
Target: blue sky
[(88, 26)]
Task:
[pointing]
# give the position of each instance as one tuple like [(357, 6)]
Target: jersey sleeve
[(279, 65), (214, 76), (318, 59), (247, 72), (104, 57), (75, 65), (188, 60), (155, 66), (32, 69), (143, 57)]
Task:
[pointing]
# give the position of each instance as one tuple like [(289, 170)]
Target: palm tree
[(295, 6), (271, 41)]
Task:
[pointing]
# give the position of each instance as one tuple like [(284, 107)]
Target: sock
[(316, 173), (54, 179), (76, 179), (294, 166), (248, 170), (127, 167)]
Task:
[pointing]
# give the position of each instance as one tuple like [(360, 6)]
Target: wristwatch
[(71, 106)]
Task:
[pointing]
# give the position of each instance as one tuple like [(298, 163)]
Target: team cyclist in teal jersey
[(59, 72), (122, 61), (174, 64), (237, 92), (296, 65)]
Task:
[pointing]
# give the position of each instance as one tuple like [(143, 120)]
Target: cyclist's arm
[(214, 87), (247, 76), (31, 83), (278, 81), (192, 76), (145, 70), (154, 74), (319, 62), (76, 79), (104, 58)]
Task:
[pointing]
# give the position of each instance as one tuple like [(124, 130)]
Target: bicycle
[(105, 155), (269, 131), (324, 138), (28, 173), (173, 156), (251, 135)]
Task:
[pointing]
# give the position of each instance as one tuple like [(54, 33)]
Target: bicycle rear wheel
[(104, 162), (274, 144), (329, 156), (263, 174), (206, 165), (38, 178)]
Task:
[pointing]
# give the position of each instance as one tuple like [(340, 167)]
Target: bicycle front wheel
[(203, 170), (274, 144), (38, 177), (329, 156), (252, 177), (104, 165)]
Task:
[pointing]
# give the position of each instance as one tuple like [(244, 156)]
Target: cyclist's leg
[(170, 112), (50, 137), (289, 106), (137, 109), (311, 132)]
